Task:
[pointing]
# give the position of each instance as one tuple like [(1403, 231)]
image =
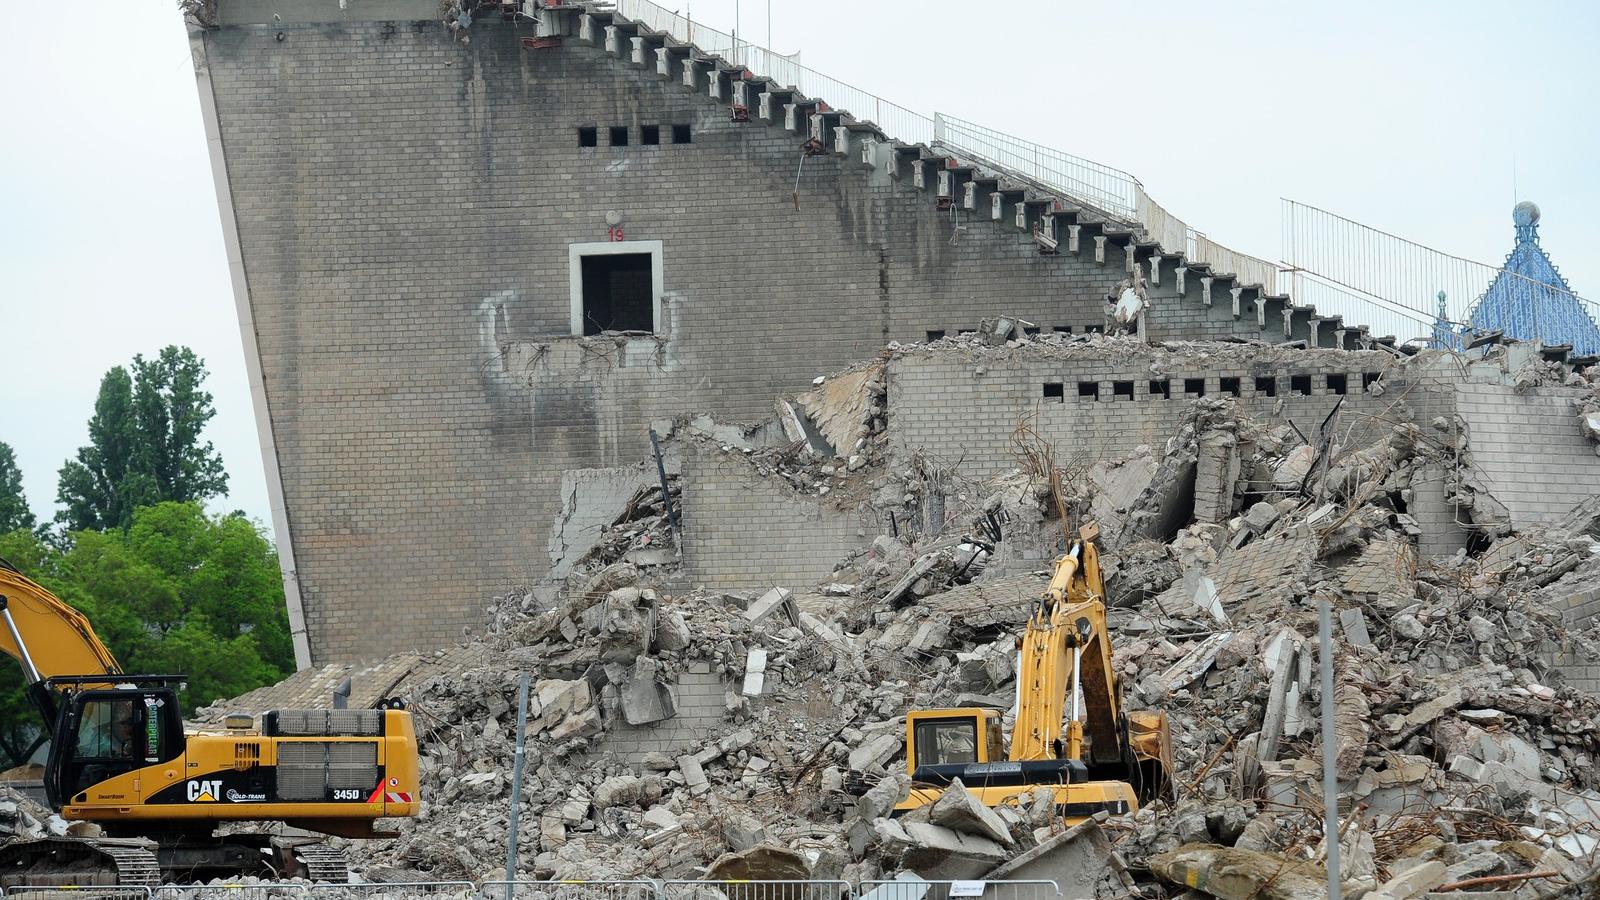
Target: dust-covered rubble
[(1464, 760)]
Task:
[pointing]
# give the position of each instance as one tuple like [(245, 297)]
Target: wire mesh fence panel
[(756, 890), (394, 890), (262, 890), (77, 892), (637, 889), (958, 890)]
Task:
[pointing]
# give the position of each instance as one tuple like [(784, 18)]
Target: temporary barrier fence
[(620, 889), (919, 889), (636, 889), (756, 890), (77, 892), (394, 890)]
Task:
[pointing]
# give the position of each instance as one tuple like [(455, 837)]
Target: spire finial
[(1525, 216)]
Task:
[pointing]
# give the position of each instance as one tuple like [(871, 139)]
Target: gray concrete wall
[(1528, 448), (967, 407), (744, 531), (404, 206)]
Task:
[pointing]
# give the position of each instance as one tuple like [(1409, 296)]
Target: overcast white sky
[(1406, 117)]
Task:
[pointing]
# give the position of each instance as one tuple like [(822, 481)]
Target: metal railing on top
[(895, 120), (1406, 278)]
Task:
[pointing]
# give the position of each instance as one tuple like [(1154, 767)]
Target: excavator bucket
[(1150, 738)]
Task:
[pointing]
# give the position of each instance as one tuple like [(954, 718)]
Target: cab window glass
[(946, 743), (114, 729)]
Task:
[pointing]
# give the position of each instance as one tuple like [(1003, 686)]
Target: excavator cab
[(106, 731)]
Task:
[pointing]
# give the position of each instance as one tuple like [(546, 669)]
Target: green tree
[(98, 487), (176, 592), (171, 410), (144, 444), (14, 512)]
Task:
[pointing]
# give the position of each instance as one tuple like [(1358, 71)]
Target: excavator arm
[(1067, 637), (47, 637)]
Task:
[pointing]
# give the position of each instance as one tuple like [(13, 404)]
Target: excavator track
[(322, 863), (78, 861)]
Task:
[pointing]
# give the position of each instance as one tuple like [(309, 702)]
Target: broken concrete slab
[(773, 601), (956, 808), (1080, 860), (1230, 873)]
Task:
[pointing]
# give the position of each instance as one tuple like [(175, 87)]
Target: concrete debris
[(684, 732)]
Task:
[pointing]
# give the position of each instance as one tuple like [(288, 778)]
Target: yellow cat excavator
[(119, 757), (1093, 755)]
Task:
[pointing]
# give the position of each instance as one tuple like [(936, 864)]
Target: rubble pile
[(1465, 762)]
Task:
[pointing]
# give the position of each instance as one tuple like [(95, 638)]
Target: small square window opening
[(588, 136), (1338, 384), (650, 134), (1122, 390), (1230, 386), (1267, 386), (1195, 386), (680, 134), (1089, 390), (1054, 390), (1161, 388), (619, 135), (1300, 384)]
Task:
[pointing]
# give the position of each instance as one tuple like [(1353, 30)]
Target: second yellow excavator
[(120, 758), (1093, 754)]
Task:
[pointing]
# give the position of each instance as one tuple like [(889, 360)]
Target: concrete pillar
[(997, 204), (791, 119), (818, 129), (1364, 341), (714, 83), (586, 29), (1315, 324), (764, 106), (636, 54), (1072, 237), (1128, 264), (1155, 269), (663, 63), (1047, 225), (1261, 312), (944, 190), (1338, 337), (969, 195), (869, 149), (1100, 248), (613, 46), (841, 140), (1288, 322), (691, 73), (1236, 291), (1205, 289), (894, 162), (1022, 214), (741, 94), (919, 175), (1182, 272)]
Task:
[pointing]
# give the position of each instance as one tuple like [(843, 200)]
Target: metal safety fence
[(639, 889), (918, 889), (622, 889), (77, 892), (756, 890)]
